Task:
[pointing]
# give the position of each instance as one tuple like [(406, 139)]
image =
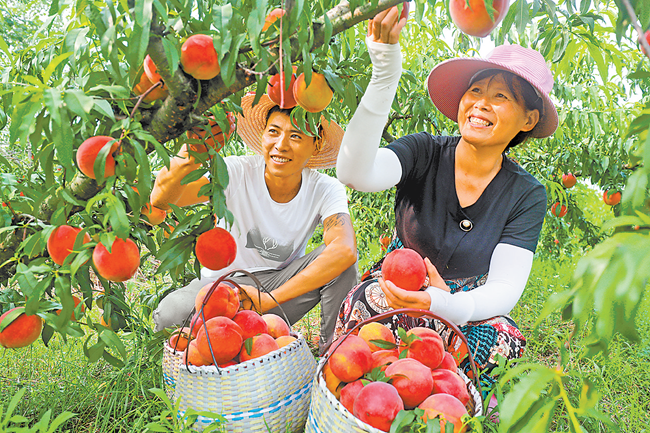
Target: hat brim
[(448, 82), (251, 125)]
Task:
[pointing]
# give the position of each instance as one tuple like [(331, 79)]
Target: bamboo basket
[(328, 415)]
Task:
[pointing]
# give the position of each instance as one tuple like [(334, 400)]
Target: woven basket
[(328, 415), (269, 393), (172, 360)]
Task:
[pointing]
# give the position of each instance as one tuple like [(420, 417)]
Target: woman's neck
[(479, 162)]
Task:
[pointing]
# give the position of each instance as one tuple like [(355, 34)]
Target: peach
[(333, 383), (412, 379), (611, 199), (405, 268), (151, 70), (260, 345), (223, 301), (448, 382), (224, 337), (272, 17), (285, 340), (195, 324), (472, 18), (199, 58), (276, 89), (377, 404), (448, 363), (349, 393), (22, 331), (429, 349), (215, 249), (120, 264), (448, 407), (251, 323), (76, 301), (87, 154), (557, 210), (180, 338), (569, 180), (194, 356), (351, 359), (153, 214), (383, 358), (61, 242), (276, 325), (144, 85), (376, 331), (315, 97)]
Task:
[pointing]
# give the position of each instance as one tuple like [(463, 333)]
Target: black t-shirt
[(429, 217)]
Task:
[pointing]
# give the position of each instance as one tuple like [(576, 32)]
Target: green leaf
[(9, 318), (47, 73), (78, 102)]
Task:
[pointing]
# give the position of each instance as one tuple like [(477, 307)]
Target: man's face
[(286, 150)]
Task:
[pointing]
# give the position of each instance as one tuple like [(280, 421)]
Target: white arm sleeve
[(509, 270), (361, 164)]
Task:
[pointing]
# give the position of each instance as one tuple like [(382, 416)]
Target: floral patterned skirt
[(486, 339)]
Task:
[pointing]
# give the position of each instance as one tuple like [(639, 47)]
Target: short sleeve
[(524, 224), (415, 152), (334, 198)]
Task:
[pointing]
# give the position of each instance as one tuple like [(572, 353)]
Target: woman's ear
[(532, 119)]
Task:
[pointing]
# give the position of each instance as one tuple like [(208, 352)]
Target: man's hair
[(287, 112), (519, 88)]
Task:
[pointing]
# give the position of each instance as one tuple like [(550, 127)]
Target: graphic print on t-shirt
[(268, 247)]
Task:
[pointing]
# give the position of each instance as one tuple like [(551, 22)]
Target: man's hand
[(387, 25), (400, 298), (250, 299)]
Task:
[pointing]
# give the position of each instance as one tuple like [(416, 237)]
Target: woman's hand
[(400, 298), (386, 26), (435, 279), (250, 299)]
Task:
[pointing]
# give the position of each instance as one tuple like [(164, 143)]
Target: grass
[(106, 399)]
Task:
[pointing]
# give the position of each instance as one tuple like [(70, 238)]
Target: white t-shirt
[(270, 235)]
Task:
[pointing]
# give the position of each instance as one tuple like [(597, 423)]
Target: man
[(278, 199)]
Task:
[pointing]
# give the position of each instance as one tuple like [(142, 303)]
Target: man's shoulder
[(321, 179)]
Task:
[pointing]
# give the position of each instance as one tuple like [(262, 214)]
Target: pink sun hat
[(449, 81)]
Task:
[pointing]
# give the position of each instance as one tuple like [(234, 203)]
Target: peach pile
[(374, 376), (220, 332)]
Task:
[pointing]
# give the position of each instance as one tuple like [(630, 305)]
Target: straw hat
[(251, 125), (449, 81)]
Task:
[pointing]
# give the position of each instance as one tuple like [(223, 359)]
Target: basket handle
[(412, 312), (227, 279)]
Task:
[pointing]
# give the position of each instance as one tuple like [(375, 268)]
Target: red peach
[(429, 349), (412, 379), (383, 358), (277, 327), (251, 323), (121, 263), (223, 301), (87, 154), (349, 393), (377, 404), (448, 407), (448, 363), (22, 331), (351, 359), (61, 242), (376, 331), (225, 339), (405, 268), (448, 382), (260, 346)]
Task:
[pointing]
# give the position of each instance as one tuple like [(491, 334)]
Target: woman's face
[(490, 115)]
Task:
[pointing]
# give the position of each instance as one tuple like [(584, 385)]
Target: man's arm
[(167, 188), (339, 254)]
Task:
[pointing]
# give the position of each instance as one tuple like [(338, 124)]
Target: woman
[(474, 214)]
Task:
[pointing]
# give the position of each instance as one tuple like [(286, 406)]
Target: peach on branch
[(216, 249), (145, 84), (76, 301), (428, 347), (472, 17), (405, 268), (568, 180), (151, 70), (223, 301), (412, 379), (351, 359), (260, 345), (87, 154), (272, 17), (314, 97), (276, 325), (377, 404), (153, 214), (215, 138), (120, 264), (611, 198), (61, 242), (277, 90), (199, 58), (251, 323), (22, 331), (557, 210), (376, 331), (448, 382), (448, 408), (225, 340)]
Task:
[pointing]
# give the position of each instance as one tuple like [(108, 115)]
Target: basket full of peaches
[(248, 367), (372, 380)]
